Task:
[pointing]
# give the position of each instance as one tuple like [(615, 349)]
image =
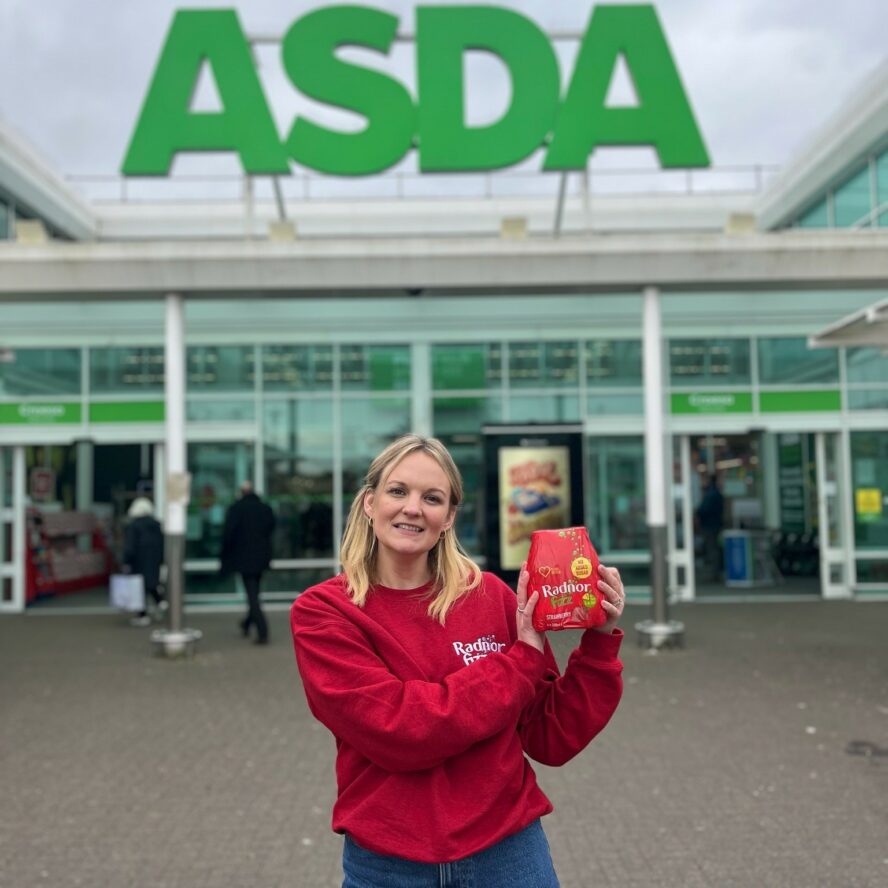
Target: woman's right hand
[(524, 616)]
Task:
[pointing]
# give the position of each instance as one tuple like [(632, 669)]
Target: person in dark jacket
[(143, 552), (711, 521), (246, 549)]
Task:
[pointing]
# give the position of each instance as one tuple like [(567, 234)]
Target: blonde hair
[(453, 572)]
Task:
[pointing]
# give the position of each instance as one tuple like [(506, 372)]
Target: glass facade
[(789, 361), (859, 201), (305, 428), (44, 372), (708, 362)]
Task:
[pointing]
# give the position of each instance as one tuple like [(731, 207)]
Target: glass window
[(851, 201), (295, 368), (299, 475), (471, 366), (227, 368), (124, 370), (375, 368), (553, 407), (368, 425), (882, 188), (703, 362), (868, 399), (217, 471), (543, 364), (615, 404), (615, 505), (46, 372), (457, 422), (229, 410), (613, 362), (816, 217), (789, 360), (4, 221), (869, 477), (866, 365)]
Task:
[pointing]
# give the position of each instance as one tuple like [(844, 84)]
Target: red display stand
[(56, 561)]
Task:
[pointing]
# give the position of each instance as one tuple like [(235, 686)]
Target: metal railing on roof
[(594, 182)]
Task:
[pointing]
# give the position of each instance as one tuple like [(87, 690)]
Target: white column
[(654, 456), (659, 632), (174, 393), (85, 476)]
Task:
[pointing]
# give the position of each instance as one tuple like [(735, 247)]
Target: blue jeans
[(521, 860)]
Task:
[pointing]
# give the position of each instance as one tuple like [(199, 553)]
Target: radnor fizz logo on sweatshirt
[(475, 650)]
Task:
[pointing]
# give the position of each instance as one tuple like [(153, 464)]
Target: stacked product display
[(67, 552)]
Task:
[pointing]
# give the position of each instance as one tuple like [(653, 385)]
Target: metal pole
[(661, 631), (175, 641), (559, 208)]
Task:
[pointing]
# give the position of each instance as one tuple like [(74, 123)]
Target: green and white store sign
[(71, 412), (40, 413), (568, 122)]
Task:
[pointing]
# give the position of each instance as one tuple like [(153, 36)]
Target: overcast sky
[(762, 75)]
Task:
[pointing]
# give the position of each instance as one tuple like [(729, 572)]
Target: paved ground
[(728, 764)]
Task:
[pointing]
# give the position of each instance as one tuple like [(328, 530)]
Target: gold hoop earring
[(370, 521)]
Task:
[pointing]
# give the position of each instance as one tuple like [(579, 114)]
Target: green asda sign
[(570, 127)]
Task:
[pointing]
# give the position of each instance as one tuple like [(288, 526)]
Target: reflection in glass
[(543, 364), (220, 411), (789, 360), (851, 201), (368, 425), (544, 408), (297, 368), (470, 366), (217, 471), (700, 362), (457, 422), (47, 372), (613, 362), (220, 368), (867, 365), (615, 505), (299, 475), (125, 370), (376, 368)]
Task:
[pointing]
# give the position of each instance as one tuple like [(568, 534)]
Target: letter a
[(663, 119), (166, 124)]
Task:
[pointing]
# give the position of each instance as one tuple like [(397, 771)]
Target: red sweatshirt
[(432, 722)]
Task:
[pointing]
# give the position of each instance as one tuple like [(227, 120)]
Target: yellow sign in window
[(868, 501)]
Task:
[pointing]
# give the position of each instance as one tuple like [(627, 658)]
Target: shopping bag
[(128, 592)]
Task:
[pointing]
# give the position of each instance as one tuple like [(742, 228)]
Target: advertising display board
[(533, 481)]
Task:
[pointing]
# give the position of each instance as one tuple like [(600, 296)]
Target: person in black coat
[(143, 552), (711, 521), (246, 549)]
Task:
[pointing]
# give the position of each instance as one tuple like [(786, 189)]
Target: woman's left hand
[(613, 596)]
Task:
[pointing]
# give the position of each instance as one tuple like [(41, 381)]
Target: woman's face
[(411, 507)]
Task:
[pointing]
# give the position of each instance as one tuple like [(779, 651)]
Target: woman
[(435, 685), (143, 553)]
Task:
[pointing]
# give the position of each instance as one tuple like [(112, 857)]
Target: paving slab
[(756, 756)]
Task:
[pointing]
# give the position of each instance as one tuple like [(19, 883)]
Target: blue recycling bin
[(738, 557)]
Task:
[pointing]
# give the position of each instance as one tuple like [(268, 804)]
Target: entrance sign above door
[(569, 128)]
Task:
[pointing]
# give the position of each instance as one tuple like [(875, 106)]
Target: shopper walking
[(143, 553), (246, 549), (437, 688), (711, 521)]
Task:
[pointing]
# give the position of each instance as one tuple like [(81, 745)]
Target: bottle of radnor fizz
[(563, 568)]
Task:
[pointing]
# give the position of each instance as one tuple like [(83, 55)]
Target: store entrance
[(78, 496), (753, 506)]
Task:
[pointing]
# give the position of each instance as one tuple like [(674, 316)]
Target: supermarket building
[(320, 324)]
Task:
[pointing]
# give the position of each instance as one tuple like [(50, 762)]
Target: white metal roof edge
[(842, 142), (31, 182)]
